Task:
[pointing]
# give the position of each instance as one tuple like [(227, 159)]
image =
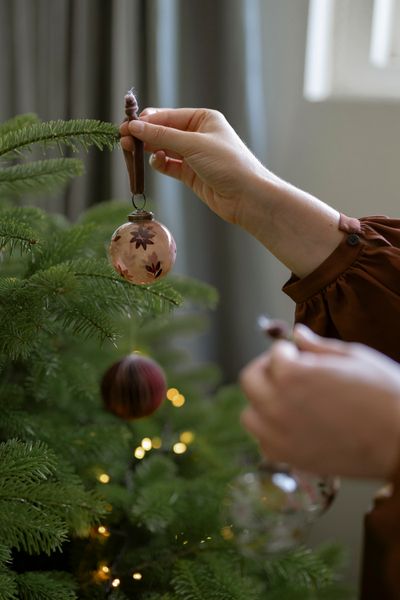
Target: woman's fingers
[(166, 165)]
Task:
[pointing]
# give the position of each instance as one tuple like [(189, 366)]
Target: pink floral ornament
[(142, 251)]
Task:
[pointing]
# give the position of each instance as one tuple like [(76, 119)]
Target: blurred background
[(312, 88)]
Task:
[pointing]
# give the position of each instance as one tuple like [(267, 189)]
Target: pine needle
[(75, 134), (39, 176), (18, 122)]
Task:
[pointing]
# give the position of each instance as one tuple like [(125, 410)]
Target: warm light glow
[(103, 531), (179, 448), (227, 533), (187, 437), (156, 442), (104, 478), (178, 400), (139, 452), (103, 573), (147, 443), (171, 393), (115, 582), (137, 576)]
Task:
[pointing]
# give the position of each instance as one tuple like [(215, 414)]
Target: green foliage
[(65, 317), (42, 175), (18, 122), (75, 134), (214, 577), (46, 586)]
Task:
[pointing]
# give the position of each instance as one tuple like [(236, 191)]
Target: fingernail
[(136, 126), (304, 331)]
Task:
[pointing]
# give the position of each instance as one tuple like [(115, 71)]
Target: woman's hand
[(200, 148), (325, 406)]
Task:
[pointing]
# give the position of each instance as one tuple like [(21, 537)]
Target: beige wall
[(346, 153)]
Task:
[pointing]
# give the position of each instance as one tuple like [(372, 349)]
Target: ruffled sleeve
[(354, 294)]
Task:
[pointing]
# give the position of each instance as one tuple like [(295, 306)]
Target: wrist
[(258, 202)]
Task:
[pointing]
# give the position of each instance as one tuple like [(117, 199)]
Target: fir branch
[(27, 528), (301, 568), (29, 462), (213, 577), (23, 227), (42, 175), (79, 133), (8, 585), (17, 235), (199, 293), (18, 122), (44, 585)]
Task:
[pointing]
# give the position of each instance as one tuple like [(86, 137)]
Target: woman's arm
[(200, 148)]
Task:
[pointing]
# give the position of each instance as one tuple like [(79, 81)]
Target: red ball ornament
[(133, 387)]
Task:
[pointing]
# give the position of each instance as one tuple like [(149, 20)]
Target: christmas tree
[(92, 506)]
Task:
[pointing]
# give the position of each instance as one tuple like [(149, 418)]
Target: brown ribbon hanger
[(134, 160)]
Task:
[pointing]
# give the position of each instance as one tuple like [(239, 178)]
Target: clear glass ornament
[(142, 250), (271, 508)]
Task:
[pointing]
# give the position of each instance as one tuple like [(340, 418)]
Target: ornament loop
[(143, 199)]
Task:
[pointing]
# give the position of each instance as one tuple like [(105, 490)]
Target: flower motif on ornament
[(142, 237), (153, 266), (123, 272)]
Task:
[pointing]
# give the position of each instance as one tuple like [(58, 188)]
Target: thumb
[(283, 357), (309, 341), (163, 138)]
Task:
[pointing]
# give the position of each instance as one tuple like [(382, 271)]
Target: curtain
[(77, 58)]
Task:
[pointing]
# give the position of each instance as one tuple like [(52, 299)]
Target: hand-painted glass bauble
[(270, 509), (142, 250)]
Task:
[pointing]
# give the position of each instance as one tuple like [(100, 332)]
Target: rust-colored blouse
[(354, 295)]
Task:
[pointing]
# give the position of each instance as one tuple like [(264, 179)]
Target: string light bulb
[(115, 582), (104, 478), (186, 437), (139, 452), (179, 448), (103, 531), (137, 576), (227, 532), (147, 444), (156, 442), (178, 400), (171, 393)]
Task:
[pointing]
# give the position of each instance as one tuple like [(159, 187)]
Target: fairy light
[(186, 437), (179, 448), (139, 452), (156, 442), (103, 531), (227, 532), (115, 582), (171, 393), (104, 478), (178, 400), (137, 576), (103, 573), (147, 444)]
